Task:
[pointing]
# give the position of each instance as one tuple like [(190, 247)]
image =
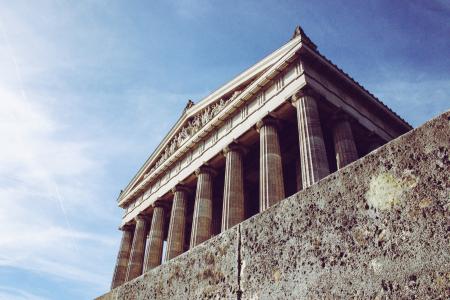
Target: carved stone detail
[(192, 127)]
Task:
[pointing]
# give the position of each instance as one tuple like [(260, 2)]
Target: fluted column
[(313, 156), (175, 239), (155, 238), (202, 219), (374, 142), (137, 250), (233, 194), (271, 183), (120, 272), (298, 175), (344, 143)]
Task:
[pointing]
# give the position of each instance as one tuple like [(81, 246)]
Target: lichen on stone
[(384, 191)]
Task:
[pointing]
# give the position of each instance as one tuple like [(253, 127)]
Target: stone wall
[(378, 228)]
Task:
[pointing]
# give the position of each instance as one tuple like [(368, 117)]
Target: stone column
[(202, 219), (298, 176), (233, 194), (313, 156), (271, 183), (137, 250), (374, 142), (155, 237), (120, 272), (177, 226), (344, 143)]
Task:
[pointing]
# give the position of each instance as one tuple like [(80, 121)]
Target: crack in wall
[(239, 264)]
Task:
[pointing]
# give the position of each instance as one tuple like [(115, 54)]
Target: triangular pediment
[(197, 115)]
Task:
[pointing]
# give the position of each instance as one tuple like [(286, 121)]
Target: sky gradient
[(89, 88)]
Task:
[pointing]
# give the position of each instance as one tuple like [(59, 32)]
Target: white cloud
[(36, 170)]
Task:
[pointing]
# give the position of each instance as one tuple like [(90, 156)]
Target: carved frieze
[(191, 128)]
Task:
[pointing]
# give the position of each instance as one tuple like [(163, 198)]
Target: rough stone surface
[(209, 271), (376, 229)]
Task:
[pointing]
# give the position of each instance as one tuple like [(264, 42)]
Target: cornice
[(356, 85)]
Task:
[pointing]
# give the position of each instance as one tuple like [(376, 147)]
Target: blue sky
[(89, 88)]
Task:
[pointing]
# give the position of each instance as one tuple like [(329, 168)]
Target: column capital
[(160, 203), (140, 217), (205, 169), (268, 120), (181, 188), (234, 146), (126, 227), (303, 93)]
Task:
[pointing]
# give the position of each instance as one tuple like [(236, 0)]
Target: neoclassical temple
[(277, 128)]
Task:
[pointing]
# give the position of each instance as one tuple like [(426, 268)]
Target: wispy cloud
[(17, 294), (36, 170)]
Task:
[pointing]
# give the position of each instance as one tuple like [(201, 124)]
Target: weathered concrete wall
[(379, 228)]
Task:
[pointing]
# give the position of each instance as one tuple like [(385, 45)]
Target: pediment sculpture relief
[(192, 127)]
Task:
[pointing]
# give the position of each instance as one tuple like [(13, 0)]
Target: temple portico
[(274, 130)]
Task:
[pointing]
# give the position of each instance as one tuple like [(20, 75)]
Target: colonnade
[(133, 259)]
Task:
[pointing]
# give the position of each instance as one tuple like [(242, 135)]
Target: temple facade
[(277, 128)]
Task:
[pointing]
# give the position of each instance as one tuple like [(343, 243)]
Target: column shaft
[(155, 239), (374, 142), (344, 144), (313, 156), (202, 219), (120, 272), (271, 183), (137, 250), (175, 239), (298, 175), (233, 194)]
